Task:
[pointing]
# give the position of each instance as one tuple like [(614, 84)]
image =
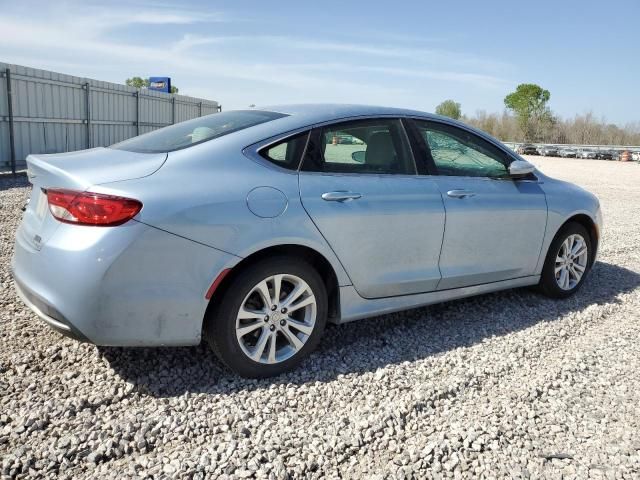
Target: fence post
[(137, 94), (12, 145), (173, 110), (87, 97), (200, 109)]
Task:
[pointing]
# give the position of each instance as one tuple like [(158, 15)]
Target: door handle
[(340, 196), (460, 193)]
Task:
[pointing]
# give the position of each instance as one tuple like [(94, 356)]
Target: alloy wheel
[(276, 318), (571, 262)]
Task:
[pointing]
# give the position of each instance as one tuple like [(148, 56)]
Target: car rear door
[(495, 225), (358, 184)]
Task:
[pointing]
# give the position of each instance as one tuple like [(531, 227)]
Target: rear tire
[(253, 338), (567, 263)]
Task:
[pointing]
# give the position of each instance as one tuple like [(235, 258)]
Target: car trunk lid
[(76, 171)]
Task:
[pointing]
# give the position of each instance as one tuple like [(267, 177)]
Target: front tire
[(568, 262), (270, 318)]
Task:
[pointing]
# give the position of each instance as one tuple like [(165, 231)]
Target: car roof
[(322, 112), (300, 116)]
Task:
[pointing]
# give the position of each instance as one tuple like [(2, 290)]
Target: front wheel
[(568, 261), (271, 317)]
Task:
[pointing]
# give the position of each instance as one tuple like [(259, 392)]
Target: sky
[(411, 54)]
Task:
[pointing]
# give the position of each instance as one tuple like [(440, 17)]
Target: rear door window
[(377, 146)]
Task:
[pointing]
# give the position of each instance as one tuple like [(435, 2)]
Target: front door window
[(456, 152)]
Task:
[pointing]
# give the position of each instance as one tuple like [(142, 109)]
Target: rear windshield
[(185, 134)]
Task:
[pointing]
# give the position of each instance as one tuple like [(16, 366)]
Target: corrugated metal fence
[(48, 112)]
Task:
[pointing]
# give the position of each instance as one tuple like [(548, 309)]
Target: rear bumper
[(131, 285), (47, 313)]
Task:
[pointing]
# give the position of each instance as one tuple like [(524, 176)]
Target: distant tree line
[(527, 118), (583, 129)]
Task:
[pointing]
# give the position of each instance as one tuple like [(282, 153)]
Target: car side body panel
[(212, 207)]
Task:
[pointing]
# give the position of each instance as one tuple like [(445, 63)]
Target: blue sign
[(160, 84)]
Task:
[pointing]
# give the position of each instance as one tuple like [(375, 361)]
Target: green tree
[(529, 104), (450, 109), (140, 82), (137, 82)]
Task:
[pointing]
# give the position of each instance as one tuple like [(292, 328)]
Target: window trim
[(316, 136), (251, 151)]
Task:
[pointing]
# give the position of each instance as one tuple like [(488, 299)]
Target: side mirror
[(520, 168), (358, 156)]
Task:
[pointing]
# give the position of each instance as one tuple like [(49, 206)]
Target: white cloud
[(403, 52), (241, 69), (189, 41), (411, 54)]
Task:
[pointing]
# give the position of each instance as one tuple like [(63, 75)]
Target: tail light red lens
[(88, 208)]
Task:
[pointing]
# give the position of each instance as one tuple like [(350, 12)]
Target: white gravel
[(505, 385)]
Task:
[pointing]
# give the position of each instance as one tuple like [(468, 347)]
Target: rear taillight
[(88, 208)]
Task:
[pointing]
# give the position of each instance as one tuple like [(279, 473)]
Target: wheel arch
[(590, 225), (312, 256)]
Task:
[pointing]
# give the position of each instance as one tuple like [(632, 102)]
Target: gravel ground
[(505, 385)]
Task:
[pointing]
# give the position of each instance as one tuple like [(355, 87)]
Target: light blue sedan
[(253, 228)]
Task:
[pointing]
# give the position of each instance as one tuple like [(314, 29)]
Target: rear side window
[(288, 153), (198, 130)]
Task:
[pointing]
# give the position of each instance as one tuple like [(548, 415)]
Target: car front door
[(358, 184), (495, 224)]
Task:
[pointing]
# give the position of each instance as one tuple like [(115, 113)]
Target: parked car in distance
[(635, 156), (604, 155), (252, 229), (586, 153), (548, 151), (527, 149), (566, 152)]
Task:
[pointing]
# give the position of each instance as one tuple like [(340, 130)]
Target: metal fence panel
[(53, 112), (5, 152)]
